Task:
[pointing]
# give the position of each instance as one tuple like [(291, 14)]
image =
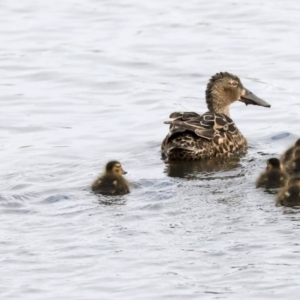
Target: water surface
[(86, 82)]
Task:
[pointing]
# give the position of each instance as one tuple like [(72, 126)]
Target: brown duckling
[(290, 194), (296, 166), (293, 165), (111, 182), (273, 177), (287, 155)]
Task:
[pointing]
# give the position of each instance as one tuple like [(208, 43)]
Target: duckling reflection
[(189, 169), (289, 195), (273, 177), (287, 155), (111, 182)]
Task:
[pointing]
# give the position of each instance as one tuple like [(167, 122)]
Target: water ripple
[(87, 82)]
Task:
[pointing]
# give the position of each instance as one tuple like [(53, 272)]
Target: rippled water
[(83, 82)]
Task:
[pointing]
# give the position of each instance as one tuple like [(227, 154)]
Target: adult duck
[(213, 134)]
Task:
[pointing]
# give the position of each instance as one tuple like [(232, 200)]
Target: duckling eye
[(118, 169)]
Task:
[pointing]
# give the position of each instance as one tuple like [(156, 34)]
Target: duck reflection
[(190, 169)]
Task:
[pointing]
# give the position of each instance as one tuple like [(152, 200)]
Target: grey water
[(83, 82)]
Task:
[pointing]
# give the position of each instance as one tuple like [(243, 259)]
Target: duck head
[(115, 167), (273, 163), (225, 88)]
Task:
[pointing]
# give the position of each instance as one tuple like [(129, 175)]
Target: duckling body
[(295, 166), (112, 182), (273, 177), (195, 136), (287, 155), (292, 166), (290, 195)]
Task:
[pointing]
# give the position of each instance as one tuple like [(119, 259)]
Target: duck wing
[(210, 125)]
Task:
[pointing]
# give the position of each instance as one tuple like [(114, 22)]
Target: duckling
[(287, 155), (290, 194), (194, 136), (293, 165), (273, 177), (112, 182)]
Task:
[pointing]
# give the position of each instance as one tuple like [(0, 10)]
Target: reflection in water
[(292, 210), (271, 191), (111, 200), (190, 169)]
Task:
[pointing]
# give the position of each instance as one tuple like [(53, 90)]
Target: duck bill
[(249, 98), (124, 172)]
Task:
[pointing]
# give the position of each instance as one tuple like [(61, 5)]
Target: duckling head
[(297, 143), (296, 152), (114, 167), (273, 163), (225, 88)]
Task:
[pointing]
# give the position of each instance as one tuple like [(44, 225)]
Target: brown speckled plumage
[(213, 134)]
